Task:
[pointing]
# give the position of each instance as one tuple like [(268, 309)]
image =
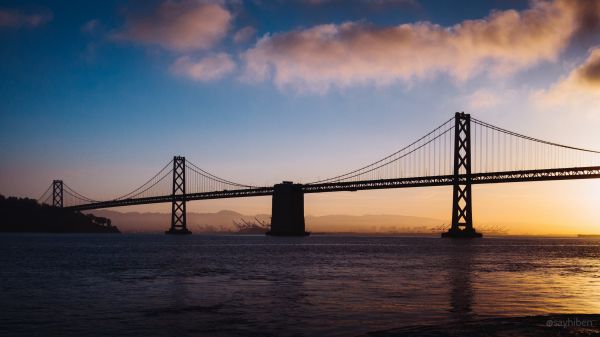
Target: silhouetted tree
[(26, 215)]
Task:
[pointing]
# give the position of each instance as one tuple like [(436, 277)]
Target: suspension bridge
[(461, 152)]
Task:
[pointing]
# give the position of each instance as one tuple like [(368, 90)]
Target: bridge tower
[(462, 216), (178, 213), (287, 212), (57, 193)]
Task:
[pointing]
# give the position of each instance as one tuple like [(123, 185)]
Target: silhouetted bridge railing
[(459, 153)]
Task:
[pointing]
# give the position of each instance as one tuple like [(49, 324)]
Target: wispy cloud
[(91, 26), (482, 99), (244, 34), (354, 53), (579, 91), (370, 2), (588, 74), (179, 25), (209, 68), (16, 19)]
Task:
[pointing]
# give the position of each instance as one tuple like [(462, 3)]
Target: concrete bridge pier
[(287, 215)]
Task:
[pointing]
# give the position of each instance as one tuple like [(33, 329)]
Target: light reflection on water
[(157, 285)]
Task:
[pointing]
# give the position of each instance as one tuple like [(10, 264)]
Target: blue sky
[(103, 93)]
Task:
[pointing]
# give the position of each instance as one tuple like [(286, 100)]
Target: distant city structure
[(255, 226)]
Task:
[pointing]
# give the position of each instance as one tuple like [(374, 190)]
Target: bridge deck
[(445, 180)]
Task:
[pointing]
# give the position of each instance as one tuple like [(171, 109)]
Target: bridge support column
[(462, 217), (287, 215), (178, 213), (57, 193)]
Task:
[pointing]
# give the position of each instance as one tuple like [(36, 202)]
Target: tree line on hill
[(27, 215)]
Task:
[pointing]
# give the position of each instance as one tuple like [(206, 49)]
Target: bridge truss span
[(448, 180), (569, 173), (249, 192), (352, 186)]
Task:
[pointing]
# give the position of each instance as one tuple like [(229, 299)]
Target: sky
[(102, 94)]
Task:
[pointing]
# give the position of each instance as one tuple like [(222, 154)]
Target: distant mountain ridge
[(136, 222)]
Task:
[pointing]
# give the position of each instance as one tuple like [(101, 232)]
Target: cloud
[(354, 53), (579, 91), (370, 2), (587, 14), (588, 74), (482, 99), (179, 26), (244, 34), (209, 68), (91, 26), (15, 19)]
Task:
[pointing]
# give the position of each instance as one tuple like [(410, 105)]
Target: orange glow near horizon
[(533, 208)]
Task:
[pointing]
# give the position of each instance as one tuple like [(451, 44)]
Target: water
[(158, 285)]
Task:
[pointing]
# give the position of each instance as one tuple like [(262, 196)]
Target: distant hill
[(223, 221), (135, 222), (26, 215)]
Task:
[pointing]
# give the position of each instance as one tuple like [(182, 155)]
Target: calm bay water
[(158, 285)]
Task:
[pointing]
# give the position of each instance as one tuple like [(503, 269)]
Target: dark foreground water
[(158, 285)]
